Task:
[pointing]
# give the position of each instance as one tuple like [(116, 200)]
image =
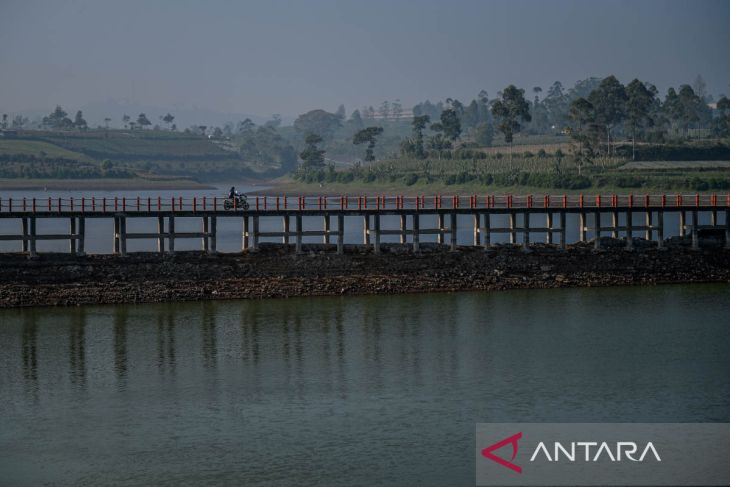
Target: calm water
[(99, 231), (342, 391)]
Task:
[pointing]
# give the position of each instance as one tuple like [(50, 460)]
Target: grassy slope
[(39, 148)]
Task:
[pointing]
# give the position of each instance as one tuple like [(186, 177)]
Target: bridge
[(527, 214)]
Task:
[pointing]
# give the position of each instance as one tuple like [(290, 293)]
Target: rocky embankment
[(273, 271)]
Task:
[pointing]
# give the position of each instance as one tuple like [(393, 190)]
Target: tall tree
[(79, 121), (356, 120), (143, 121), (609, 105), (419, 125), (396, 109), (639, 101), (312, 156), (168, 118), (510, 111), (450, 123), (368, 136), (384, 110), (58, 119), (318, 122), (341, 112), (581, 112)]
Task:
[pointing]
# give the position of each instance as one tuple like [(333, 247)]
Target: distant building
[(8, 134)]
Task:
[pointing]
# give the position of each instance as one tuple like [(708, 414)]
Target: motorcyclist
[(232, 193)]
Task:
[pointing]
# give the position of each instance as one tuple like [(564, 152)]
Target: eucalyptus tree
[(419, 125), (639, 101), (511, 111), (609, 105)]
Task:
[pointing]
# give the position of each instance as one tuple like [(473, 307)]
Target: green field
[(114, 154)]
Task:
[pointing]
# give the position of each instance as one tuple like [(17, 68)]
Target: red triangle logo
[(487, 452)]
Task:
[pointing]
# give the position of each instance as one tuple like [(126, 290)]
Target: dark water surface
[(342, 391)]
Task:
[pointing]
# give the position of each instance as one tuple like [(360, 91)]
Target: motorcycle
[(239, 203)]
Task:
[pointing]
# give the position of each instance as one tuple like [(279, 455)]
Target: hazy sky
[(272, 56)]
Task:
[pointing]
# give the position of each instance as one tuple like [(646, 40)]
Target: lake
[(342, 390)]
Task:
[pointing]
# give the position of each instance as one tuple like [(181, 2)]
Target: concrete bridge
[(526, 215)]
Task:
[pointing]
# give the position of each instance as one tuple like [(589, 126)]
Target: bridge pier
[(340, 233), (81, 250), (454, 232), (629, 230), (171, 234), (213, 232), (417, 232), (597, 230), (72, 234), (299, 234)]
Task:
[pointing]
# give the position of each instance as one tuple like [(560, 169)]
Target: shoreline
[(99, 184), (276, 272)]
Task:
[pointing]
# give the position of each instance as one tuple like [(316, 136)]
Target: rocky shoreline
[(275, 272)]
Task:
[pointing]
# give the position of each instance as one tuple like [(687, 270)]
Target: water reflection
[(120, 345), (77, 347), (249, 389), (166, 340)]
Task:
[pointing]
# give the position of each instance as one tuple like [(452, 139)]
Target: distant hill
[(122, 153)]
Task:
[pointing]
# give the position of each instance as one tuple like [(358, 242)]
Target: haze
[(289, 57)]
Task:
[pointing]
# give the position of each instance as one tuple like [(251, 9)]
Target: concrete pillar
[(285, 238), (649, 218), (117, 226), (660, 229), (123, 235), (160, 236), (477, 231), (563, 233), (440, 237), (24, 223), (299, 234), (629, 230), (80, 247), (454, 232), (713, 218), (597, 230), (206, 231), (376, 245), (582, 226), (727, 229), (255, 239), (340, 233), (549, 235), (326, 238), (72, 235), (487, 231), (244, 240), (416, 232), (614, 223), (512, 225), (695, 237), (403, 229), (31, 237), (366, 230), (526, 236), (213, 235), (171, 234), (682, 223)]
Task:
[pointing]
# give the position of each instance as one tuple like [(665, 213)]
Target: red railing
[(93, 204)]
